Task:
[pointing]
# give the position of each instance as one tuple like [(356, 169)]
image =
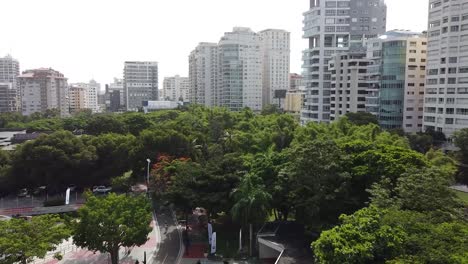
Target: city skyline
[(96, 48)]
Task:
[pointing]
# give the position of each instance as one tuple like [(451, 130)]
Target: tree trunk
[(251, 239), (115, 255)]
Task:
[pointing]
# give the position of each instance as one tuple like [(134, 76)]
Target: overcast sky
[(87, 39)]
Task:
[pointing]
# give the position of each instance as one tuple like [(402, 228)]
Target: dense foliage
[(21, 240), (106, 224), (256, 166)]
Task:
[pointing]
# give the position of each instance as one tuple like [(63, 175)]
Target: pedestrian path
[(74, 255)]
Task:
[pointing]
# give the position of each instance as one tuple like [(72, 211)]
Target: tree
[(362, 118), (22, 240), (102, 124), (252, 203), (136, 122), (318, 181), (360, 239), (270, 109), (376, 235), (461, 141), (426, 190), (420, 142), (106, 224), (54, 160)]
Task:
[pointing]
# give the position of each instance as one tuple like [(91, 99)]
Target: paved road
[(170, 249)]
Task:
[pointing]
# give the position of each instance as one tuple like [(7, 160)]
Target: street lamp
[(147, 174)]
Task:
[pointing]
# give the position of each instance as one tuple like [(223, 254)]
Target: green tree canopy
[(105, 224), (22, 240)]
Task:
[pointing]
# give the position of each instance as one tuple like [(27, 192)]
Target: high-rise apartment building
[(115, 95), (176, 89), (396, 79), (296, 81), (334, 27), (203, 74), (240, 80), (91, 94), (9, 89), (43, 89), (446, 96), (77, 98), (348, 84), (276, 65), (140, 83)]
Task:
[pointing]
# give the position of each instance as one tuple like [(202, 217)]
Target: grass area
[(463, 196)]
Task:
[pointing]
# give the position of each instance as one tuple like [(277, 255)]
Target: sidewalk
[(74, 255)]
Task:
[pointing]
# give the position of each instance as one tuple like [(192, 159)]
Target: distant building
[(333, 27), (115, 96), (276, 64), (446, 97), (348, 83), (43, 89), (294, 101), (296, 81), (91, 90), (203, 75), (151, 106), (240, 80), (176, 89), (9, 88), (77, 97), (397, 80), (140, 83)]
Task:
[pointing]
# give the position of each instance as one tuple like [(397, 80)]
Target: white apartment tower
[(91, 90), (348, 84), (276, 65), (240, 70), (140, 83), (334, 27), (43, 89), (203, 74), (446, 96), (9, 89), (176, 89)]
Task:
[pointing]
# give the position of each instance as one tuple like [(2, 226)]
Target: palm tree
[(252, 203)]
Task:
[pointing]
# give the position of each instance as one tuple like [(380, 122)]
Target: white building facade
[(176, 89), (43, 89), (203, 75), (276, 48), (240, 80), (333, 27), (9, 88), (446, 96), (140, 83), (348, 84)]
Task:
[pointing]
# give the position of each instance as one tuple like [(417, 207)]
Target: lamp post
[(147, 175)]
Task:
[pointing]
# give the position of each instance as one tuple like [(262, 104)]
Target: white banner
[(210, 232), (240, 239), (213, 243), (67, 196)]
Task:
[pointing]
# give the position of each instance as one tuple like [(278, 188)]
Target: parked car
[(101, 189), (23, 193), (40, 190)]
